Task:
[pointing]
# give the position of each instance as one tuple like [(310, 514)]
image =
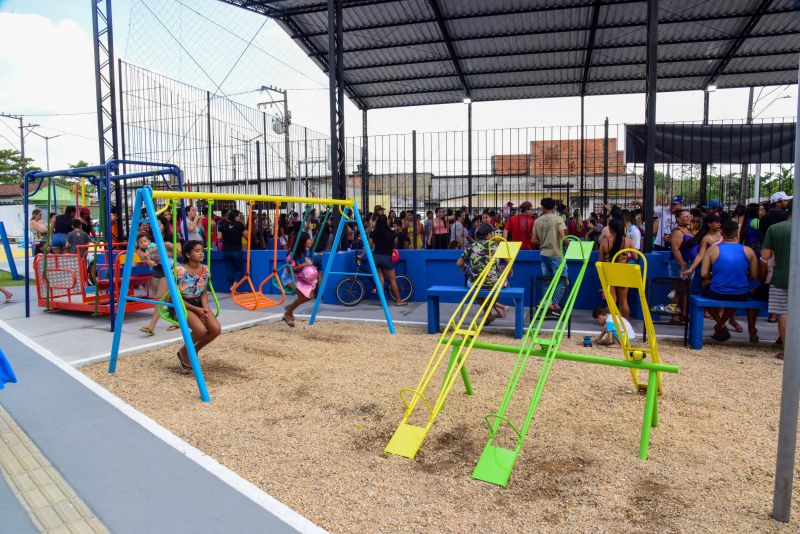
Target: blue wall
[(438, 267)]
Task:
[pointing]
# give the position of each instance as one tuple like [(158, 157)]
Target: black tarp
[(714, 143)]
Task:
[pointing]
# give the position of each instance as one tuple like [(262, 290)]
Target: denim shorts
[(383, 261), (59, 240)]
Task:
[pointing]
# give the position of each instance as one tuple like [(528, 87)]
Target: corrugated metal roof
[(396, 55)]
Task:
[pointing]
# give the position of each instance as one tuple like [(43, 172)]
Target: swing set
[(144, 211)]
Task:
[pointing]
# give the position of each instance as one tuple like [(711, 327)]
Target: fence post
[(704, 166), (582, 196), (258, 169), (469, 157), (210, 151), (414, 184), (605, 166), (364, 163)]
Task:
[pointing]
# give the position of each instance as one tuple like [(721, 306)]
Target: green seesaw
[(496, 463)]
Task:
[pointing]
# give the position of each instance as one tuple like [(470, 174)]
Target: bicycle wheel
[(350, 291), (406, 287)]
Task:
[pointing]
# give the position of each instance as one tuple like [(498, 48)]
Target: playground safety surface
[(305, 414)]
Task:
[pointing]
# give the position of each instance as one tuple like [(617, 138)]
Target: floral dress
[(191, 285)]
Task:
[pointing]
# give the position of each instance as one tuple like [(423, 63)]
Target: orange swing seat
[(251, 298)]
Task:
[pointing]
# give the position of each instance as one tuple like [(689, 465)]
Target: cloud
[(48, 67)]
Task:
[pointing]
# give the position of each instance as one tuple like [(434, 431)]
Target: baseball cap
[(483, 230), (780, 195), (677, 199), (714, 203), (85, 211)]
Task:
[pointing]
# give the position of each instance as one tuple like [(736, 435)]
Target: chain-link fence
[(224, 146)]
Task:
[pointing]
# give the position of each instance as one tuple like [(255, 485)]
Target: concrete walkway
[(132, 475)]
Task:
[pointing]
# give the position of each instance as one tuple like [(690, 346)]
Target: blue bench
[(698, 304), (513, 296)]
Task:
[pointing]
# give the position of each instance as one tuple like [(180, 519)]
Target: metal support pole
[(790, 386), (650, 123), (305, 157), (258, 168), (704, 167), (336, 102), (365, 163), (414, 185), (744, 183), (210, 152), (582, 196), (605, 164), (469, 158), (286, 145)]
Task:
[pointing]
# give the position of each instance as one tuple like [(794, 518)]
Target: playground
[(305, 413)]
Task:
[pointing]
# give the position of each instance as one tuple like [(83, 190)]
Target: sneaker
[(554, 310)]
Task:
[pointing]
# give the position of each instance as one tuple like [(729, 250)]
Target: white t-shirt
[(666, 224), (636, 236), (613, 329)]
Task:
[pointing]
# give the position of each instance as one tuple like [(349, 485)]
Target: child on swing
[(158, 284), (193, 278), (305, 274)]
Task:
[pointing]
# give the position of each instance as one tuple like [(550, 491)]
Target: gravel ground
[(305, 414)]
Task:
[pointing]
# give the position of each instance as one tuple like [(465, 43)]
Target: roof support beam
[(748, 27), (370, 66), (567, 82), (589, 49), (356, 82), (448, 42), (382, 45)]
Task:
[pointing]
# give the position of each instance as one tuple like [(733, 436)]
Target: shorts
[(194, 301), (158, 271), (778, 300), (733, 297), (383, 261), (59, 240), (675, 270)]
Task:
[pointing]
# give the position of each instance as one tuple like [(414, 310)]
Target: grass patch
[(6, 280)]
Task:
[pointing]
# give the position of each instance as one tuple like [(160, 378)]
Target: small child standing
[(77, 237), (609, 334)]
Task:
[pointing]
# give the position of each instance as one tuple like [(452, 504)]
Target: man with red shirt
[(520, 226)]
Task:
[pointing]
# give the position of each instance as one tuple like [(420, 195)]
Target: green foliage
[(11, 166)]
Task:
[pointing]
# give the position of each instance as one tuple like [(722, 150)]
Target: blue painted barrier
[(7, 375), (12, 265), (427, 268)]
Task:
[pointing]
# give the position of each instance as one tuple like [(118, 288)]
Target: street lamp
[(46, 138)]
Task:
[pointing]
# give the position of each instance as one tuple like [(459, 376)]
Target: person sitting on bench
[(727, 270), (475, 258)]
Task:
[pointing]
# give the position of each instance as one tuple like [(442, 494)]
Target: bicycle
[(351, 289)]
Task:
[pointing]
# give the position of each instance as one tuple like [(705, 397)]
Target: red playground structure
[(80, 282)]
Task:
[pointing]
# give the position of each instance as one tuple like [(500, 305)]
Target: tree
[(12, 165)]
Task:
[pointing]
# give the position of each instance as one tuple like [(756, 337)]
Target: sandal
[(736, 326), (172, 327), (146, 330), (9, 300), (400, 303), (754, 336), (288, 320), (779, 355), (186, 366)]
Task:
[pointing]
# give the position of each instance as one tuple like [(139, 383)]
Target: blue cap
[(677, 199), (714, 203)]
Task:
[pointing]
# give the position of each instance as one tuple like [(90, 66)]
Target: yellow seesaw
[(632, 276), (408, 438)]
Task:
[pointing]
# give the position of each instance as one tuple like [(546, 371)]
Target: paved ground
[(115, 469)]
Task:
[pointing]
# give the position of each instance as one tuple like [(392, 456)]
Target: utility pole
[(22, 128), (46, 143), (285, 123)]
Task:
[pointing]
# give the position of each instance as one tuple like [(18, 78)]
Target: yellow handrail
[(192, 195)]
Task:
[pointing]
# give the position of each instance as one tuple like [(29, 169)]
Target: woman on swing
[(193, 279)]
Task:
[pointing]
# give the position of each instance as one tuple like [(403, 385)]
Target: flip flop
[(9, 300), (172, 327), (400, 303), (288, 320), (147, 331), (186, 366)]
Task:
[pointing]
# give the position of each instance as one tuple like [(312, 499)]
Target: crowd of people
[(724, 255)]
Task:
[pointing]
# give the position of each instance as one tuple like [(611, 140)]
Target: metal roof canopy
[(419, 52)]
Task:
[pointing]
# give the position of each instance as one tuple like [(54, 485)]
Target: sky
[(48, 76)]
